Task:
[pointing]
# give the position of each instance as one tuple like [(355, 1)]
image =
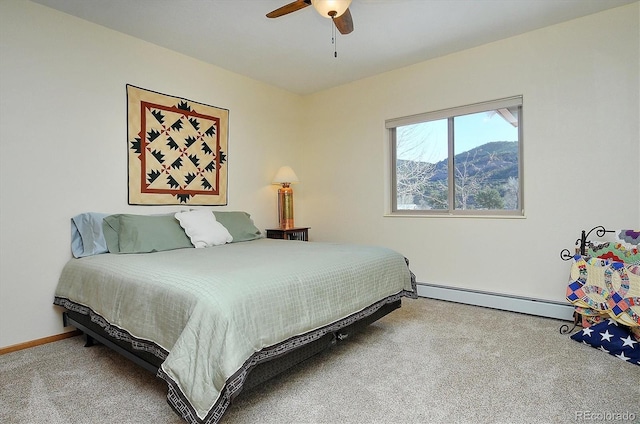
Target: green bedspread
[(213, 309)]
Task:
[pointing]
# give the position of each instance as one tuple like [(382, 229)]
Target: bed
[(216, 320)]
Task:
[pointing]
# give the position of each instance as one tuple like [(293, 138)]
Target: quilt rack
[(565, 255)]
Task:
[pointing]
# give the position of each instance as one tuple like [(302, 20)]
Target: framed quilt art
[(177, 150)]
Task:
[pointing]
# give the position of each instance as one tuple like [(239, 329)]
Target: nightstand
[(297, 233)]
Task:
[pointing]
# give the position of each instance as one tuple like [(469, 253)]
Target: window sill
[(448, 215)]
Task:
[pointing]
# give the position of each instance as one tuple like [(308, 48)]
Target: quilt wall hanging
[(177, 150)]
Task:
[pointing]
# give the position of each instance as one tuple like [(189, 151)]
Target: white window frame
[(449, 114)]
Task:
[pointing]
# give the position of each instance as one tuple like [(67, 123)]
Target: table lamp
[(285, 176)]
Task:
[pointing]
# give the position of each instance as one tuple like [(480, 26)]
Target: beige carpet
[(429, 362)]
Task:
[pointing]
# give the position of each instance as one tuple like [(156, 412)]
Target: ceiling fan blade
[(288, 8), (344, 23)]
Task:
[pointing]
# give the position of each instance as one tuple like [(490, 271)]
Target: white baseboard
[(523, 305)]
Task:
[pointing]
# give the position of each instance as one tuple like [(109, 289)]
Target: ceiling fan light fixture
[(331, 8)]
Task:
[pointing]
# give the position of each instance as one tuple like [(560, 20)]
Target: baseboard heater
[(544, 308)]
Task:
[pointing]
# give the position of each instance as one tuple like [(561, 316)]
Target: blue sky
[(427, 141)]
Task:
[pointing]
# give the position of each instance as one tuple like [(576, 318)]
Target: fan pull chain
[(334, 40)]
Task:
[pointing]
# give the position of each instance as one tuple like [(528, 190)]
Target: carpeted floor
[(429, 362)]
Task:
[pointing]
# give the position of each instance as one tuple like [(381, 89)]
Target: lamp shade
[(331, 8), (285, 175)]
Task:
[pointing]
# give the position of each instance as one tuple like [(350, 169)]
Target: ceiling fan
[(337, 10)]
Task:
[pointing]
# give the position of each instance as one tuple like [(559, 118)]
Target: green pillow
[(239, 224), (110, 228), (144, 233)]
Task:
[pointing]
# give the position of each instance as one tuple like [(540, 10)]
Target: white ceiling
[(295, 52)]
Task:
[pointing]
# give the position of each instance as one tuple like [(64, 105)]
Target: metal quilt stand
[(565, 255)]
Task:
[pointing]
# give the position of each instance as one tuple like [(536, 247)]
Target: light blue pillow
[(87, 237)]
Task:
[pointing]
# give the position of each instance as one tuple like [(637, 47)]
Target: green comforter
[(213, 309)]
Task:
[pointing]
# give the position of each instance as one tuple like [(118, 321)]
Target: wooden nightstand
[(297, 233)]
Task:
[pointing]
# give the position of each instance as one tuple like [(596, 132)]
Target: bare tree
[(467, 182), (511, 189), (412, 178), (414, 166)]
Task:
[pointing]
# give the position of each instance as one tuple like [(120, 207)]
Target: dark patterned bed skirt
[(259, 368)]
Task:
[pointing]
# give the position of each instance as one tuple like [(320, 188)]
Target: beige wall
[(580, 83), (581, 108), (63, 143)]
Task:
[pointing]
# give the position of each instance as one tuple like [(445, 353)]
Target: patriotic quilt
[(612, 338), (177, 150)]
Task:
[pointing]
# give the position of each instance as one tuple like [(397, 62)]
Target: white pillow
[(202, 228)]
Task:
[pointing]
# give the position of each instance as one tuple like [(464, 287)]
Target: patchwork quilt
[(605, 288), (177, 150), (623, 249)]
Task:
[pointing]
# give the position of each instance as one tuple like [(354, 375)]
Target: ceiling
[(295, 51)]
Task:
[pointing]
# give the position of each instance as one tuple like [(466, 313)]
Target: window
[(461, 161)]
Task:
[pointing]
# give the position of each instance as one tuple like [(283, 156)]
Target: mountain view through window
[(463, 162)]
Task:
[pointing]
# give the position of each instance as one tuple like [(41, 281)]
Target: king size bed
[(214, 321)]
